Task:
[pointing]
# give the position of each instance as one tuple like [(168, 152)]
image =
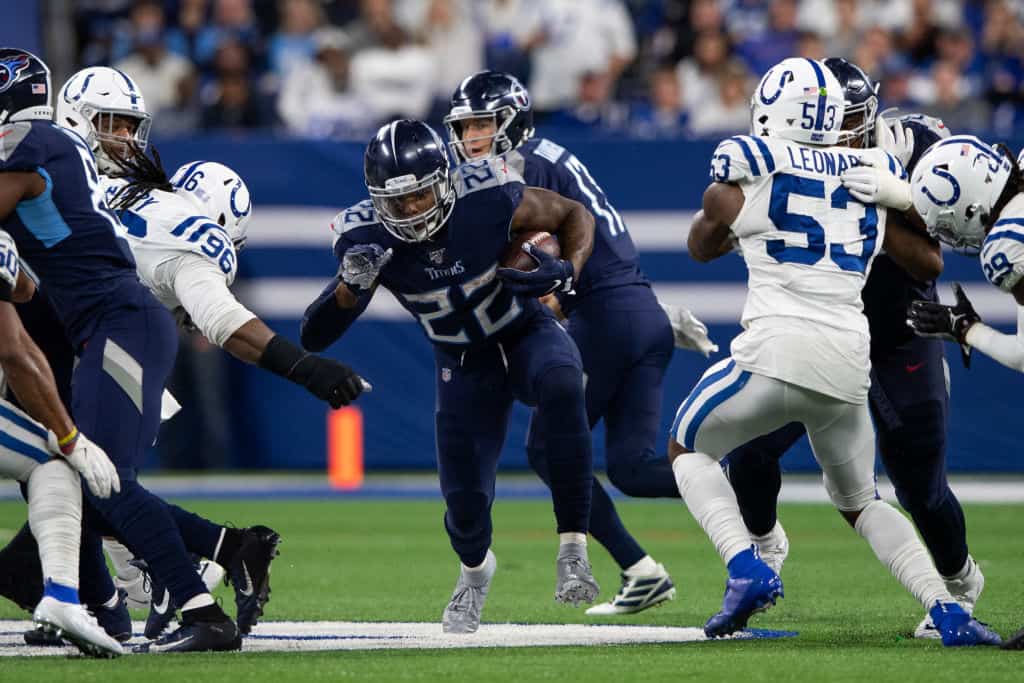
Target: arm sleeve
[(18, 150), (324, 322), (1007, 349), (202, 290), (9, 266)]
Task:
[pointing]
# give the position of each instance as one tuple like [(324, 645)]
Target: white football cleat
[(966, 590), (462, 615), (638, 592), (72, 622), (773, 547), (137, 590)]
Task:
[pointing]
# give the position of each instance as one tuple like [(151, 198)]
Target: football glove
[(929, 319), (551, 275), (327, 379), (361, 265), (872, 185), (895, 138), (90, 461), (688, 332)]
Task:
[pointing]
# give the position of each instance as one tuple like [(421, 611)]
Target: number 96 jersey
[(808, 245)]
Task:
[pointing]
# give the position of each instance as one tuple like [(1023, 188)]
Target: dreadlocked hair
[(1014, 184), (145, 173)]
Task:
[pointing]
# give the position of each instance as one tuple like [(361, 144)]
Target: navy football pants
[(626, 343), (909, 404), (539, 366)]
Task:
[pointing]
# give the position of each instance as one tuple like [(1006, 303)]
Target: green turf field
[(390, 561)]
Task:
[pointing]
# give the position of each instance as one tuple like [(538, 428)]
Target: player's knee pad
[(628, 478), (848, 498), (469, 512)]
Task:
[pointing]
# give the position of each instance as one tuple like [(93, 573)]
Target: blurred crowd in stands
[(648, 68)]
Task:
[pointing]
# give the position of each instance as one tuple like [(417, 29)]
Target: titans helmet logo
[(11, 68)]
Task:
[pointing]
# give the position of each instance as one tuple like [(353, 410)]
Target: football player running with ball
[(433, 239), (624, 336), (804, 353)]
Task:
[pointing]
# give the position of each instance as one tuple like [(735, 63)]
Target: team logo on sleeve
[(10, 68)]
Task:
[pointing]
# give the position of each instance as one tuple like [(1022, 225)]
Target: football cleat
[(773, 547), (462, 615), (1015, 642), (161, 607), (114, 620), (753, 587), (196, 636), (211, 573), (73, 623), (638, 592), (575, 583), (958, 628), (966, 591), (249, 574), (136, 588)]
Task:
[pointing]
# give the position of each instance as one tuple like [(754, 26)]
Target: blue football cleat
[(960, 629), (752, 587)]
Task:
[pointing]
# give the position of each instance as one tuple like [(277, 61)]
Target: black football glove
[(929, 319), (551, 275), (329, 380)]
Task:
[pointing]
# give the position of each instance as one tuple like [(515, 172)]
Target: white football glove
[(872, 185), (895, 138), (688, 332), (90, 461), (361, 265)]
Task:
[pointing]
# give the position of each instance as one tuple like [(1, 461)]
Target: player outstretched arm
[(574, 226), (709, 235), (345, 297), (962, 324), (200, 286)]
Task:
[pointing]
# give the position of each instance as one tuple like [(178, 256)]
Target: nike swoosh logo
[(161, 607), (172, 646), (915, 367), (247, 591)]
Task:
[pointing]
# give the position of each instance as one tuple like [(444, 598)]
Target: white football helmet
[(88, 104), (220, 194), (954, 187), (799, 100)]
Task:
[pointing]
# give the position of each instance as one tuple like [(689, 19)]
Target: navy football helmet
[(409, 179), (861, 95), (24, 86), (498, 96)]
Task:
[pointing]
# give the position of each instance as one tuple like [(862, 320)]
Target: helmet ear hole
[(222, 220)]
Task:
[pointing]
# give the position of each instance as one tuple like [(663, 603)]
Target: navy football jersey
[(890, 289), (449, 283), (613, 263), (67, 235)]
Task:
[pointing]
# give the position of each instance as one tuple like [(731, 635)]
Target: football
[(515, 257)]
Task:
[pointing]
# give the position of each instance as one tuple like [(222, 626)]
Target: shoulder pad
[(742, 158), (1002, 252), (361, 215), (473, 176), (11, 135), (546, 149)]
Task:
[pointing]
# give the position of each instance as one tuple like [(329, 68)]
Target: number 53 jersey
[(808, 246)]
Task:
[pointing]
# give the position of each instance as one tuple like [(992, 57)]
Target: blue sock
[(60, 592)]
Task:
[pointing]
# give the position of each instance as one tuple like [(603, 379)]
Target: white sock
[(895, 542), (772, 538), (201, 600), (642, 567), (962, 574), (712, 502), (120, 557), (480, 567), (55, 517), (572, 537)]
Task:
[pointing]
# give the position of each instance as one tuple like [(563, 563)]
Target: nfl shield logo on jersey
[(446, 374), (437, 256)]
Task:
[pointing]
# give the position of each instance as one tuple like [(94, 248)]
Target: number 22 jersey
[(808, 246)]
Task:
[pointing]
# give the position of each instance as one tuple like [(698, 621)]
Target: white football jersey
[(1002, 252), (164, 225), (809, 246)]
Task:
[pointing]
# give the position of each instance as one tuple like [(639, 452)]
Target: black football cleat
[(196, 636), (161, 607), (115, 621), (41, 637), (249, 574), (1014, 642)]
